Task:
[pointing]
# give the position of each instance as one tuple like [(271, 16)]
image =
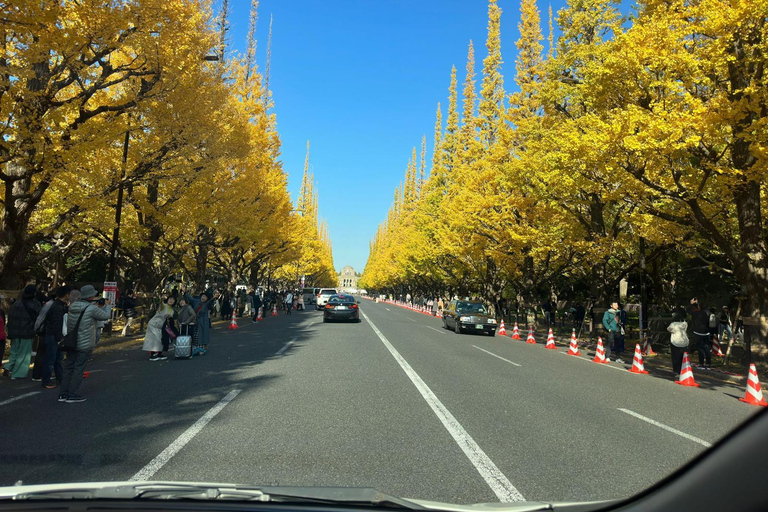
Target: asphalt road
[(393, 402)]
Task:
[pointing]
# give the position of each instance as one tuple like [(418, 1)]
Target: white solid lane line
[(285, 347), (667, 427), (11, 400), (438, 330), (158, 462), (492, 475), (498, 357), (601, 364)]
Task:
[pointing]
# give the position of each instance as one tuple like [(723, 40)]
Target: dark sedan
[(341, 307), (468, 316)]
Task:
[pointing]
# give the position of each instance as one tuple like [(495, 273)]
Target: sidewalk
[(662, 362)]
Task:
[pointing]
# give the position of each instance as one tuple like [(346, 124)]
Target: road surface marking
[(285, 347), (11, 400), (411, 319), (492, 475), (158, 462), (388, 309), (601, 364), (494, 355), (666, 427), (438, 330)]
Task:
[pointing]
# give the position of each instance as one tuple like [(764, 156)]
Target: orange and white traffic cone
[(502, 331), (550, 340), (233, 323), (515, 332), (260, 316), (716, 349), (600, 352), (573, 350), (274, 310), (754, 394), (637, 363), (647, 348), (686, 374), (531, 339)]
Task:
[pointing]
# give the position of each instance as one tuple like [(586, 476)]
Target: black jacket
[(21, 319), (699, 321), (55, 319)]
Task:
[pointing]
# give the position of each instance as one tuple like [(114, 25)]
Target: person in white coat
[(153, 339), (678, 342)]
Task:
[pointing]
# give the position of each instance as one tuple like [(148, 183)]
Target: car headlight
[(465, 318), (491, 320)]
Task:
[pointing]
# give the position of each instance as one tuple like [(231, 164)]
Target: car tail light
[(329, 306), (353, 306)]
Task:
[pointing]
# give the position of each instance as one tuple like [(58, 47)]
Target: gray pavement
[(329, 404)]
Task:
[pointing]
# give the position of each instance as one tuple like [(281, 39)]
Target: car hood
[(336, 496)]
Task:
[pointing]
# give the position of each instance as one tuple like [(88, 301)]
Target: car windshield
[(471, 308), (343, 244)]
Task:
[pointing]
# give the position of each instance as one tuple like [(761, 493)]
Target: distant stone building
[(347, 278)]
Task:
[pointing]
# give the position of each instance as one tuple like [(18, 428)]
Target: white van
[(323, 295)]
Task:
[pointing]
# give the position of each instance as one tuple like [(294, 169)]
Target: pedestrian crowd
[(68, 324)]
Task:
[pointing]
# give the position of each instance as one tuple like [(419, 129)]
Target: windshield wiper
[(361, 497)]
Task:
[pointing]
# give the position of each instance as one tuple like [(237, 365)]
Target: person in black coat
[(21, 331), (54, 323)]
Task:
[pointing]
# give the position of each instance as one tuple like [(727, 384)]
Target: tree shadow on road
[(135, 407)]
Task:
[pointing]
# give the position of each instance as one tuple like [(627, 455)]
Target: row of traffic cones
[(754, 393), (259, 317)]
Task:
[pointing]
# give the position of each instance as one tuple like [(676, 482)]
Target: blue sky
[(360, 79)]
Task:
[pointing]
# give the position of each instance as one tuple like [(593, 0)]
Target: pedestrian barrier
[(515, 332), (686, 374), (502, 331), (550, 340), (637, 362), (754, 395), (600, 352), (233, 323), (531, 339), (573, 350)]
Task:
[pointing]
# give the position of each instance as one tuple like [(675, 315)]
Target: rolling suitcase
[(183, 347)]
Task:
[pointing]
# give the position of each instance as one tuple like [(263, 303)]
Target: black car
[(341, 307), (468, 316)]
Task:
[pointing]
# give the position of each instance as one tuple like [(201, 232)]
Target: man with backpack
[(53, 332), (81, 324), (611, 324)]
